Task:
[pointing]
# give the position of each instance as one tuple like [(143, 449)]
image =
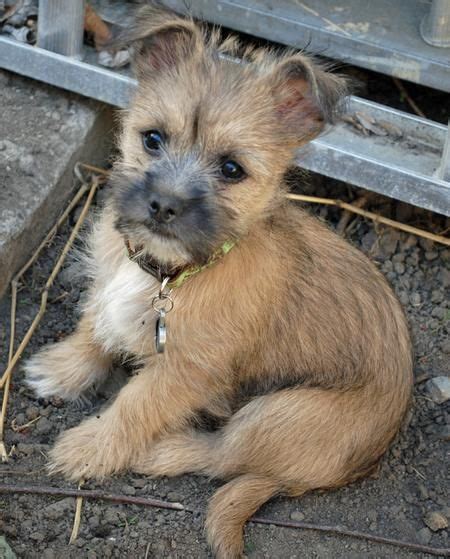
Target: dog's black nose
[(164, 210)]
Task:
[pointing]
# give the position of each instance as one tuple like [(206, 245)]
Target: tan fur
[(293, 339)]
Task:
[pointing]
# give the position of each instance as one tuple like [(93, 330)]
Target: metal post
[(443, 172), (435, 27), (60, 26)]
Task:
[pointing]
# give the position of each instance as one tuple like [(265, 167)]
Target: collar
[(177, 275)]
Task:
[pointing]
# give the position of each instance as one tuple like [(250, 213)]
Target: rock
[(399, 257), (37, 536), (25, 448), (44, 426), (439, 389), (424, 536), (438, 312), (399, 268), (445, 346), (129, 490), (174, 497), (368, 240), (443, 277), (387, 267), (388, 242), (415, 299), (411, 241), (431, 255), (32, 412), (437, 296), (58, 510), (111, 516), (297, 516), (435, 521), (443, 432)]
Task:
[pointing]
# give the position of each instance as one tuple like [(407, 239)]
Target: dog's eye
[(232, 171), (152, 140)]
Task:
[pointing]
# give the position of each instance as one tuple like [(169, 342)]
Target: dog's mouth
[(161, 230)]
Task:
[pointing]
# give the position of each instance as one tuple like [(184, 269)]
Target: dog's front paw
[(64, 370), (44, 373), (86, 451)]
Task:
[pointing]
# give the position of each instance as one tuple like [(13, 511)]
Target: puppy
[(240, 308)]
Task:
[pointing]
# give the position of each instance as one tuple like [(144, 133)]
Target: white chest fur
[(122, 306)]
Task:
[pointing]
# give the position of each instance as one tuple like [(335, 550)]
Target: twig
[(48, 285), (409, 99), (3, 451), (19, 428), (157, 503), (13, 358), (441, 552), (92, 494), (77, 518), (326, 20), (346, 214), (373, 216)]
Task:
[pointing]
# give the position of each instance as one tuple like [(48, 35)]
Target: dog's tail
[(231, 507)]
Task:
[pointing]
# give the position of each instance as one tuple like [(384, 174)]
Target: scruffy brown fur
[(292, 343)]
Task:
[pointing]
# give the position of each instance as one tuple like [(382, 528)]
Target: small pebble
[(32, 412), (439, 389), (424, 536), (129, 490), (431, 255), (297, 516), (435, 521), (174, 497), (43, 426), (399, 268)]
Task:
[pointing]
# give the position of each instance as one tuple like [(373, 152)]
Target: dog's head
[(207, 140)]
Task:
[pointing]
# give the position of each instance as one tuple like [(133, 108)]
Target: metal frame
[(413, 167), (380, 35)]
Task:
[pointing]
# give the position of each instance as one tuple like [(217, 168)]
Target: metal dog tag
[(161, 332)]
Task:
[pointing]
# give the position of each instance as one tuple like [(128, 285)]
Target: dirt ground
[(412, 481)]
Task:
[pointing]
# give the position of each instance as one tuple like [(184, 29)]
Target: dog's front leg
[(70, 367), (158, 399)]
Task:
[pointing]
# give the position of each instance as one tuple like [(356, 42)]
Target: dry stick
[(77, 518), (5, 381), (346, 215), (409, 99), (3, 451), (157, 503), (370, 215), (14, 283), (50, 234)]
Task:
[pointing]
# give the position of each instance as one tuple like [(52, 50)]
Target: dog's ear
[(161, 39), (306, 96)]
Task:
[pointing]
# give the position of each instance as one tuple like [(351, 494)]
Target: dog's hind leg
[(187, 452)]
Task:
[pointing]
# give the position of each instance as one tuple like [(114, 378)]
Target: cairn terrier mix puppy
[(287, 364)]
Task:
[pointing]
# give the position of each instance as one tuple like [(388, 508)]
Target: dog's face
[(207, 141)]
